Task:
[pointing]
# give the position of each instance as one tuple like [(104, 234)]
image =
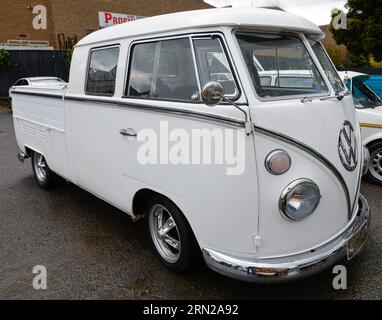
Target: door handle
[(128, 132)]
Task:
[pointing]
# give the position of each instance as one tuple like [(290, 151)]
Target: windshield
[(363, 95), (328, 67), (280, 65)]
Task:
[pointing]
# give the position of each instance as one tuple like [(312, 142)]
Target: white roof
[(234, 17)]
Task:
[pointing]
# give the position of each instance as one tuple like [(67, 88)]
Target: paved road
[(92, 250)]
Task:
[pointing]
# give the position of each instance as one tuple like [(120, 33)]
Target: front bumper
[(296, 266)]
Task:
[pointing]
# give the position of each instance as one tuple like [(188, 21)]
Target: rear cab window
[(102, 71)]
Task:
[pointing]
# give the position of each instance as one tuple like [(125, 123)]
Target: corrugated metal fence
[(32, 63)]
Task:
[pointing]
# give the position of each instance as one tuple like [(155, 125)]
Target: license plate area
[(356, 243)]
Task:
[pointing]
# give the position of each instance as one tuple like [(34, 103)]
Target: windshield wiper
[(339, 96)]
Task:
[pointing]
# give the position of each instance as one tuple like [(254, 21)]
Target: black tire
[(374, 174), (190, 254), (49, 180)]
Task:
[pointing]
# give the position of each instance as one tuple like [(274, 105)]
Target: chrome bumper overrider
[(291, 267)]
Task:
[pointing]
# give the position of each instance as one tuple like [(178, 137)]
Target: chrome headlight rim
[(286, 192)]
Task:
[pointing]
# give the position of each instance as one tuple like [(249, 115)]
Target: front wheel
[(44, 177), (375, 168), (171, 235)]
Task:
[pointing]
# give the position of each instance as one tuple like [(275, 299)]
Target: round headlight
[(299, 199)]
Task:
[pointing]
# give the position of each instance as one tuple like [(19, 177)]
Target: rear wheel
[(375, 168), (44, 177), (171, 235)]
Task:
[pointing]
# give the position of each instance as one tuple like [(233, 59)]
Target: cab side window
[(163, 70), (213, 64), (102, 71)]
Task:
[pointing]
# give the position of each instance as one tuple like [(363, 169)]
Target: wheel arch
[(140, 200), (141, 197), (372, 142), (29, 151)]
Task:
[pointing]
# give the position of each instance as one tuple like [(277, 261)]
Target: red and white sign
[(108, 19)]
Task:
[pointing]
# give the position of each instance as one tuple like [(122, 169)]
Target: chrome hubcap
[(376, 164), (40, 166), (164, 233)]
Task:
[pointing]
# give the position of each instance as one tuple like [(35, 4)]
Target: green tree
[(68, 59), (375, 64), (361, 61), (4, 59), (335, 55), (362, 36)]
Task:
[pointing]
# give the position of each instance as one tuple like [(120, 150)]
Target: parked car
[(34, 81), (287, 78), (144, 121), (368, 103)]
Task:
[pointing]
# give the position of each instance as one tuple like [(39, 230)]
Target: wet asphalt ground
[(93, 251)]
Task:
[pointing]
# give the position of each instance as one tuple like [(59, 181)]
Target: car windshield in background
[(280, 65), (47, 81), (328, 67), (363, 95)]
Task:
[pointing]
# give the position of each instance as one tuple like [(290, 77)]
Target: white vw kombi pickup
[(172, 118)]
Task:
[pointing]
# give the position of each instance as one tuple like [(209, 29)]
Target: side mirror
[(213, 93)]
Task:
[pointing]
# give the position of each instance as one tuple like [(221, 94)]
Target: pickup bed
[(39, 119)]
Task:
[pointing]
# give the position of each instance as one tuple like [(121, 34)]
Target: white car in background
[(38, 81), (35, 81), (369, 110), (287, 78)]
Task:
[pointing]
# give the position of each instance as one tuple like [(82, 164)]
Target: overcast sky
[(318, 12)]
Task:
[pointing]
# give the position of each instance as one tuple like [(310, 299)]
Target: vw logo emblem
[(347, 147)]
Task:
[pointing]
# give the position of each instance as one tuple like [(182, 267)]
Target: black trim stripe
[(187, 113), (316, 155), (38, 94), (173, 111), (143, 107)]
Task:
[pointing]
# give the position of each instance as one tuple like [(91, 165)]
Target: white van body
[(235, 219)]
